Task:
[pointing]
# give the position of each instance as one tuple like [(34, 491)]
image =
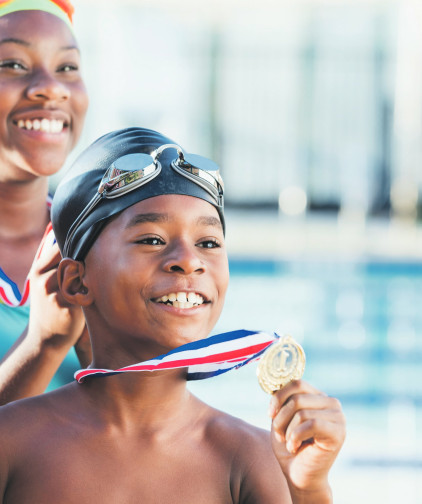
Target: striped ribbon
[(204, 358), (9, 292)]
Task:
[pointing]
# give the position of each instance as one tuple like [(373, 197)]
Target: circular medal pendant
[(283, 362)]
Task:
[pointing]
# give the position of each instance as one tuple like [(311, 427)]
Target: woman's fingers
[(48, 254)]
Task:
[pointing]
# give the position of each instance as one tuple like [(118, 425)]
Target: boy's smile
[(157, 273), (181, 299)]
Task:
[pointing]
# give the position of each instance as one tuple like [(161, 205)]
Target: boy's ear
[(70, 276)]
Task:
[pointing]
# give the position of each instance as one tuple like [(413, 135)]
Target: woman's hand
[(52, 320), (54, 327)]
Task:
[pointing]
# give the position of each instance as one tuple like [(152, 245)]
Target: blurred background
[(313, 109)]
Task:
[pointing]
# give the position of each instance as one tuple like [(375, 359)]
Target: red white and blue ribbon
[(204, 358), (9, 292)]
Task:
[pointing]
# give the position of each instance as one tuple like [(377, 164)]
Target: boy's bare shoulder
[(31, 416), (24, 424), (235, 432), (256, 474)]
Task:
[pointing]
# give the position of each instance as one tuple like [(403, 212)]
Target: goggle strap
[(94, 201)]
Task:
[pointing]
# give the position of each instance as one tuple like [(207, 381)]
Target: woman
[(42, 109)]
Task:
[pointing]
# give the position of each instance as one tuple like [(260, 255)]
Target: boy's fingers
[(295, 408), (281, 397), (322, 426)]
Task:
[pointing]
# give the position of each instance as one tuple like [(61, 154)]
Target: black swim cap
[(79, 212)]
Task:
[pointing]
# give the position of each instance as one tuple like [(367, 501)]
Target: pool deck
[(266, 235)]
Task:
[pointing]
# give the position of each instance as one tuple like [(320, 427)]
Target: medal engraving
[(283, 362)]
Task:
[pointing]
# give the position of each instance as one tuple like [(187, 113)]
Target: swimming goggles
[(135, 170)]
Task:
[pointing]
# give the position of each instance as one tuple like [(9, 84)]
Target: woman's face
[(43, 98)]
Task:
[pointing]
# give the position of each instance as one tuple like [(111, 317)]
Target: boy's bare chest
[(125, 474)]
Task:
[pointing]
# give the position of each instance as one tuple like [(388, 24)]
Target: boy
[(141, 228)]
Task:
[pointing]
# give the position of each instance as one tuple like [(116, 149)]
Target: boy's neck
[(146, 399)]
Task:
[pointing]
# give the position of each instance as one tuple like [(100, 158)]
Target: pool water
[(359, 324)]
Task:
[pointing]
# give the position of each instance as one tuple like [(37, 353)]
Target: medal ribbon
[(204, 358)]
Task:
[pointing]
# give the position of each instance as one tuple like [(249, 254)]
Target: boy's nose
[(183, 258), (44, 86)]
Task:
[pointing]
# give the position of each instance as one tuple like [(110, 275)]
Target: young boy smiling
[(141, 228)]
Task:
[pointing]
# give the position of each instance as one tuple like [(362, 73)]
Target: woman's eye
[(13, 65), (69, 67)]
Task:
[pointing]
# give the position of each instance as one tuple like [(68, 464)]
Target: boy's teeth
[(182, 299), (45, 125)]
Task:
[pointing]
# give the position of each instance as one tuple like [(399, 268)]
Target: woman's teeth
[(181, 299), (44, 125)]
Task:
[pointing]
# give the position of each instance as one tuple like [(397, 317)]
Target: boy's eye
[(209, 244), (151, 240)]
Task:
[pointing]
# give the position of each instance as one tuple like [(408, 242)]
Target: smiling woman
[(43, 97), (42, 110)]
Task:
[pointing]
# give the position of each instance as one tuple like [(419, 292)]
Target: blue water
[(358, 322), (360, 326)]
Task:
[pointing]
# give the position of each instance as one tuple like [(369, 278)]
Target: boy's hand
[(308, 430)]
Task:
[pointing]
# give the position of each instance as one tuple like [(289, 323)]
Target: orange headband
[(61, 8)]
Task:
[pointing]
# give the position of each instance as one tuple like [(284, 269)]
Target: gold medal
[(283, 362)]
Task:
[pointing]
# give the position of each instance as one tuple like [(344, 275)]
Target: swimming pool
[(359, 324)]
